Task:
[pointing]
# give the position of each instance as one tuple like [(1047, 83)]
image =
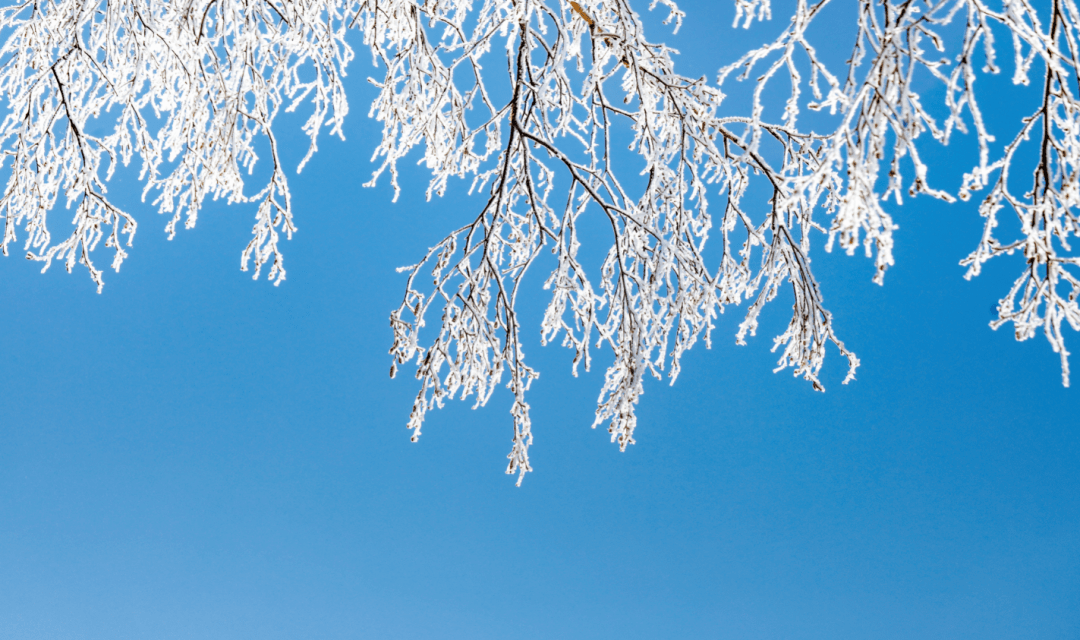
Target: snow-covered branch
[(578, 72), (882, 116), (191, 89), (556, 111), (542, 153)]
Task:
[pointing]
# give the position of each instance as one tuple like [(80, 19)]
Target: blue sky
[(191, 455)]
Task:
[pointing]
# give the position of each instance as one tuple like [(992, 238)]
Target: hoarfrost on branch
[(189, 88), (534, 102)]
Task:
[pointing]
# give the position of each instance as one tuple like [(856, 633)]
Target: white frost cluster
[(555, 110)]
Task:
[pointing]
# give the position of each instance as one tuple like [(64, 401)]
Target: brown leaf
[(581, 12)]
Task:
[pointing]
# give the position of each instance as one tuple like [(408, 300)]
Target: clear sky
[(194, 456)]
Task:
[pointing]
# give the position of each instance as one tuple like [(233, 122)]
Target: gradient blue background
[(195, 456)]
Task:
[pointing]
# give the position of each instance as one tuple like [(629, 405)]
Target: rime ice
[(532, 101)]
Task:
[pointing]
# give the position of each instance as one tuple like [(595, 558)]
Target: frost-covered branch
[(882, 115), (558, 111), (191, 89), (1045, 294), (579, 72), (540, 143)]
